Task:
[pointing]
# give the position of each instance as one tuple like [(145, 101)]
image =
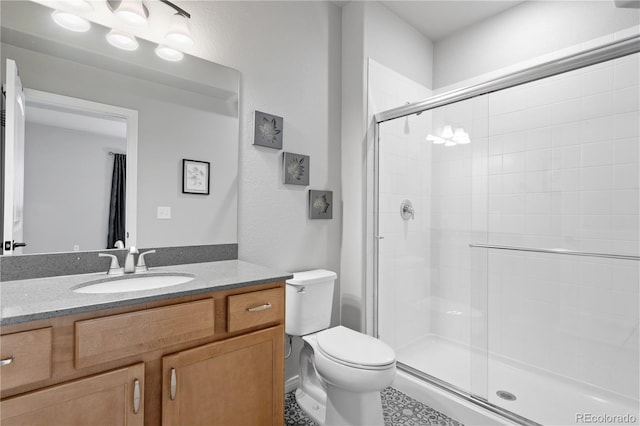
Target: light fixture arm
[(113, 5), (179, 10)]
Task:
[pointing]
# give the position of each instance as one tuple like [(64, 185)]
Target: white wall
[(530, 29), (298, 78), (374, 33), (353, 153), (289, 56), (64, 192), (397, 45)]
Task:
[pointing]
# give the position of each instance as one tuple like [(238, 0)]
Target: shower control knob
[(406, 210)]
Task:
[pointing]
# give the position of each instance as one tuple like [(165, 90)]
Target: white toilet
[(341, 371)]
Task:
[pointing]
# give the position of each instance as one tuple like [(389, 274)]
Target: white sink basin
[(125, 283)]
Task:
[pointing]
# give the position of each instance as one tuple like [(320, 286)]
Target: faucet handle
[(114, 267), (142, 266)]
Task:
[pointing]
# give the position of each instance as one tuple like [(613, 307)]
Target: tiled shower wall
[(405, 159), (563, 163)]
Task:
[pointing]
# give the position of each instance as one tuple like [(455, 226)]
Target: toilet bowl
[(341, 371), (342, 374)]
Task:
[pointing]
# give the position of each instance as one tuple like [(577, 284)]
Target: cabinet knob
[(172, 393)]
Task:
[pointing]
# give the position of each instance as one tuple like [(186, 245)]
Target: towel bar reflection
[(557, 251)]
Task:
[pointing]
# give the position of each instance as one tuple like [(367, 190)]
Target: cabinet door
[(114, 398), (238, 381)]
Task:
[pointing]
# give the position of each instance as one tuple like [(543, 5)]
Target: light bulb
[(464, 139), (169, 53), (179, 33), (70, 21), (447, 132), (435, 139), (458, 134), (122, 40), (132, 12)]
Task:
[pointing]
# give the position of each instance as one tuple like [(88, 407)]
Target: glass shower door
[(431, 285)]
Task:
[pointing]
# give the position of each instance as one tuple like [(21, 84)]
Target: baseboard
[(291, 384)]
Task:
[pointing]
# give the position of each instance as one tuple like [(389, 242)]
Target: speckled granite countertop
[(41, 298)]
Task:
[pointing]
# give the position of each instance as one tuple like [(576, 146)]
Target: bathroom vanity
[(210, 351)]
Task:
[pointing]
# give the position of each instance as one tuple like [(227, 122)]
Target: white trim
[(13, 153), (291, 384), (131, 117)]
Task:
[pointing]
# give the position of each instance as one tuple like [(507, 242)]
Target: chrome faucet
[(142, 265), (130, 263), (114, 267), (130, 266)]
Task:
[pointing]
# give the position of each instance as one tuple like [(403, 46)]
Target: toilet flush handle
[(301, 290)]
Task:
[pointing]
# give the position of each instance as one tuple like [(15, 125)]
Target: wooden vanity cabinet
[(210, 359), (232, 382), (25, 357), (112, 398)]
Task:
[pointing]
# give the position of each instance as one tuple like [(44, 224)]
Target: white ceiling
[(438, 19)]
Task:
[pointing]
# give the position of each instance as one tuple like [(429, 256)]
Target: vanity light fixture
[(460, 136), (179, 33), (71, 21), (122, 40), (133, 12), (435, 139), (450, 137), (447, 132), (168, 53)]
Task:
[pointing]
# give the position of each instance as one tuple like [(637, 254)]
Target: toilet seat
[(353, 349)]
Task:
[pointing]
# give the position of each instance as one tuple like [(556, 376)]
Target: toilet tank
[(309, 299)]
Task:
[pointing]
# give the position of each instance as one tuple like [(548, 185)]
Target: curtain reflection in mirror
[(117, 206)]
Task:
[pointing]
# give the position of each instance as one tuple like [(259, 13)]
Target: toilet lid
[(351, 347)]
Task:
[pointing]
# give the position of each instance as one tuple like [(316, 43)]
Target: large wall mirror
[(86, 102)]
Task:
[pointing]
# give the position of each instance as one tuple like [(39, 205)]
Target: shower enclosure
[(507, 239)]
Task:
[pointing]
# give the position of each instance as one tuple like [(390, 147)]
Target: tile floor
[(398, 410)]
